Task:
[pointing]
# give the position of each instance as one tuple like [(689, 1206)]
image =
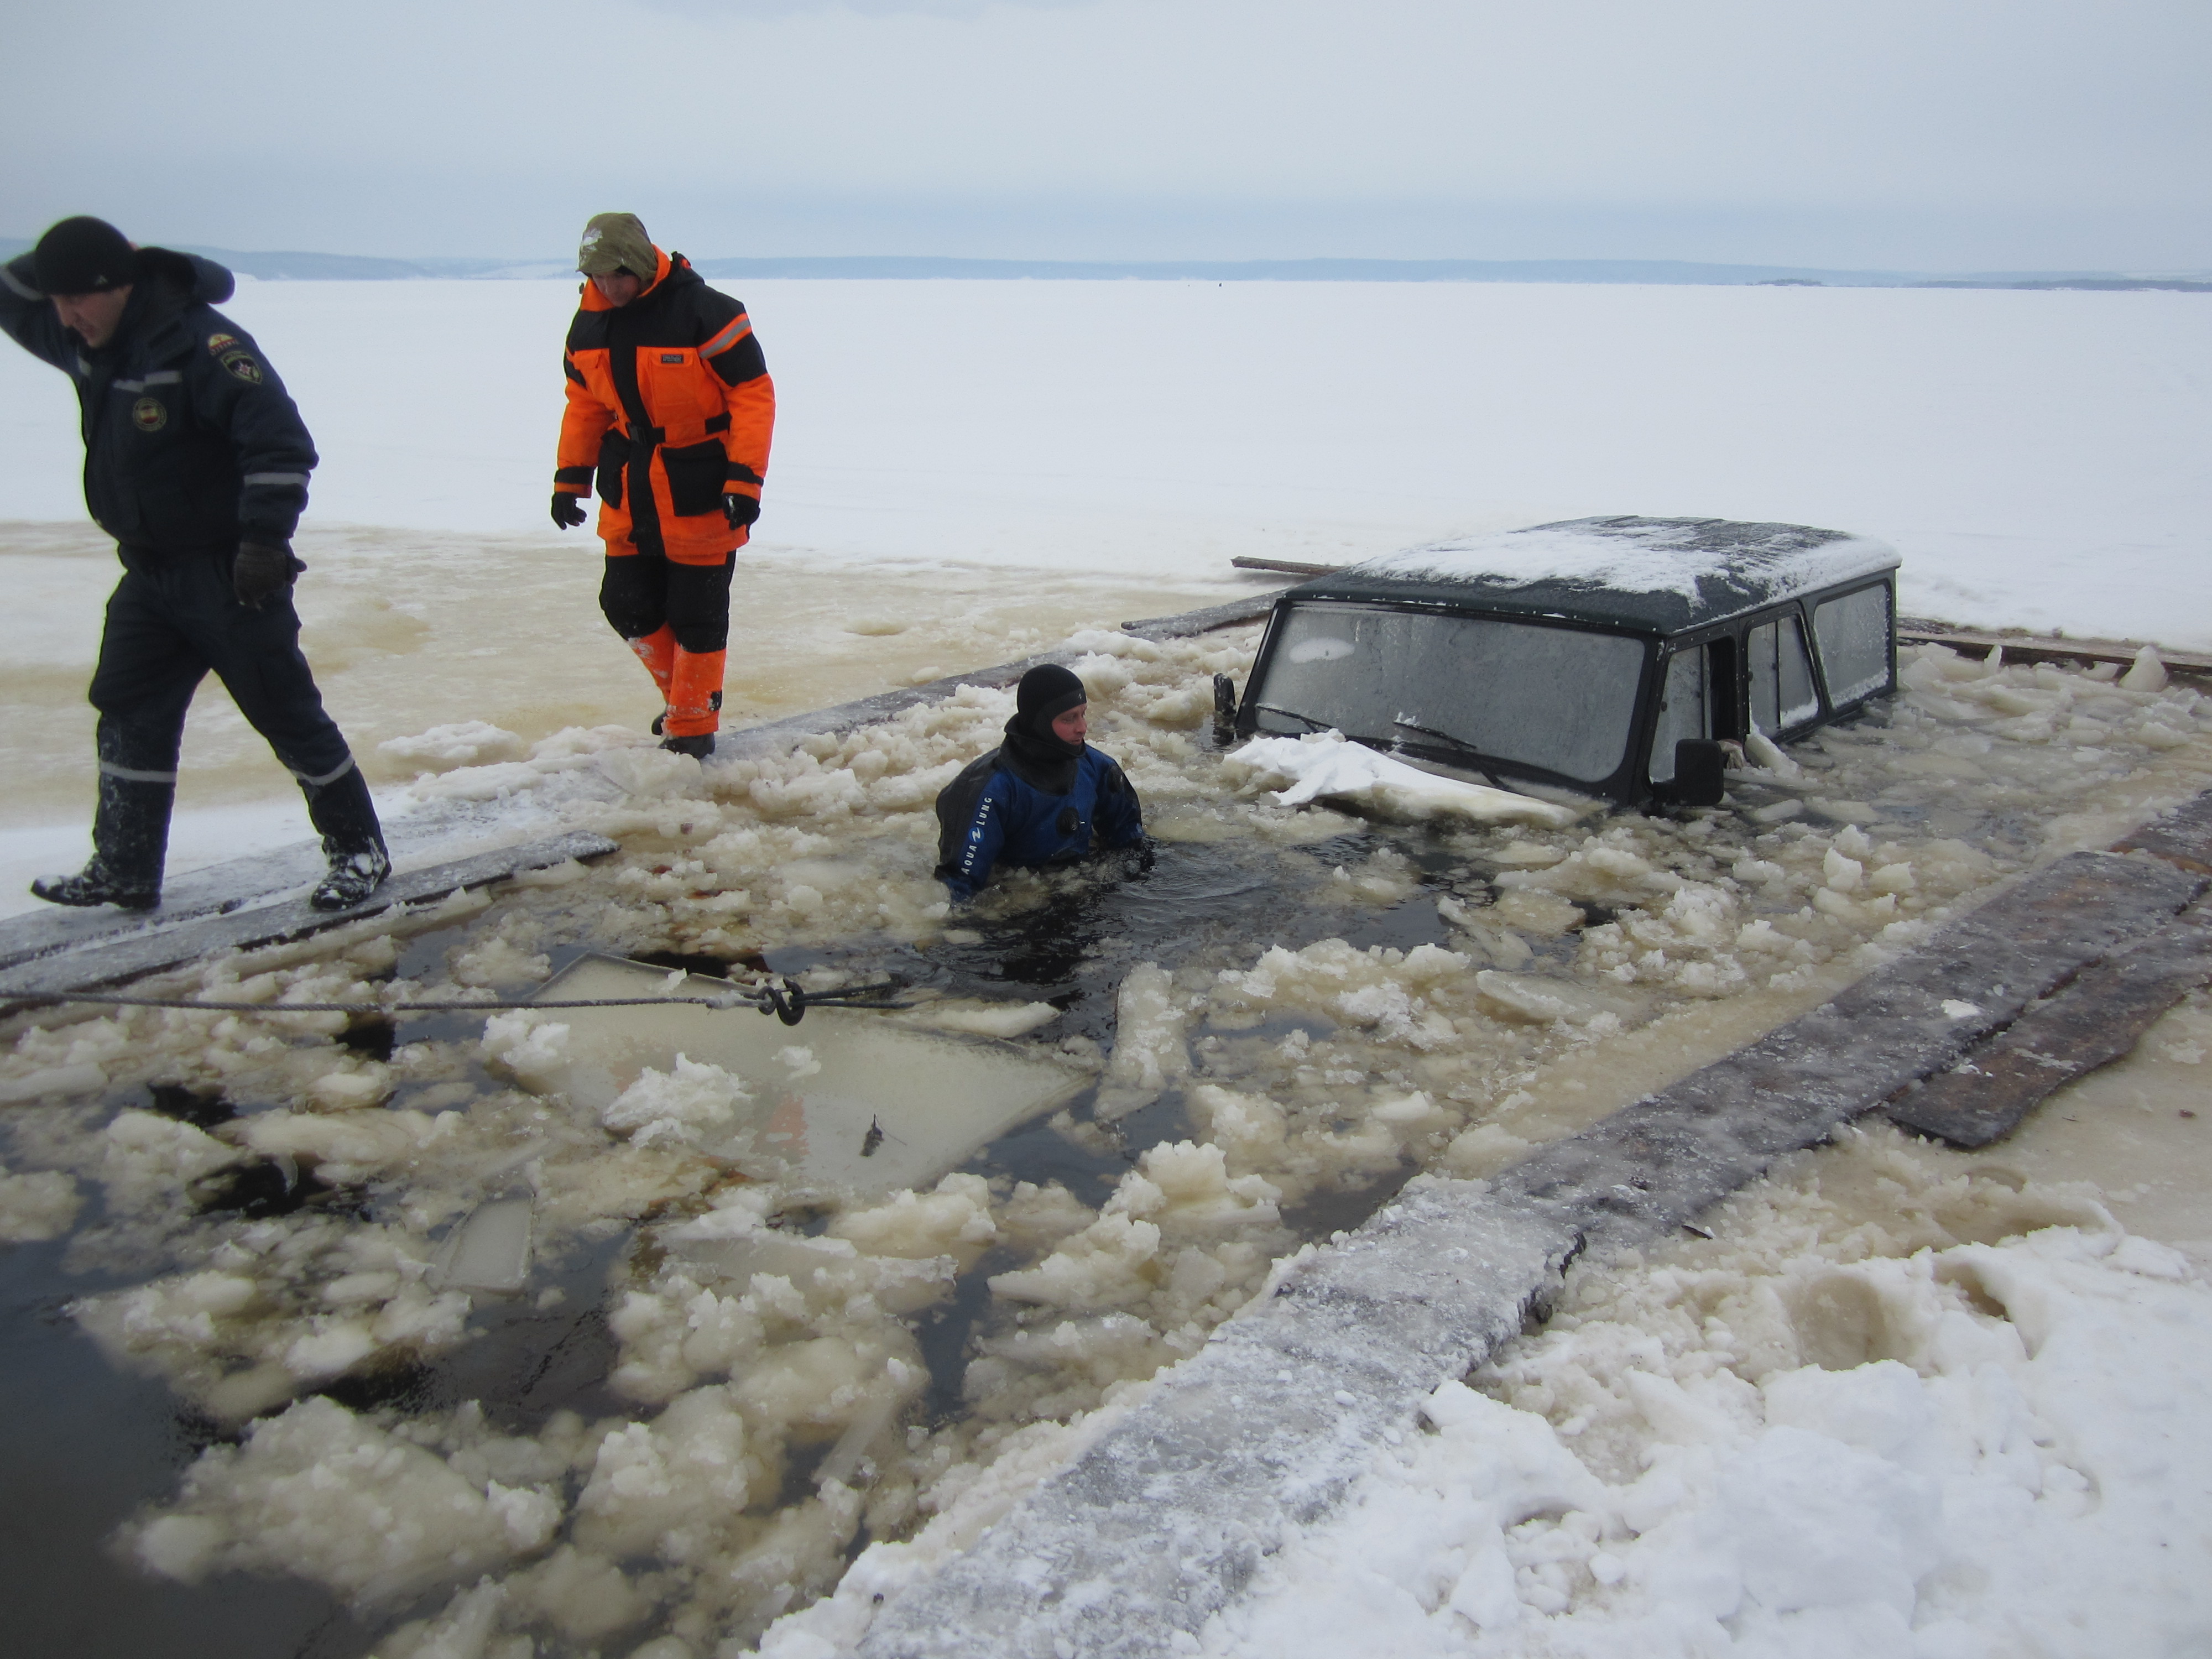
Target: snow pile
[(37, 1207), (692, 1105), (470, 743), (323, 1493), (1324, 764), (1834, 1429)]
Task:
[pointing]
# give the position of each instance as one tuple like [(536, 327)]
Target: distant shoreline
[(348, 267)]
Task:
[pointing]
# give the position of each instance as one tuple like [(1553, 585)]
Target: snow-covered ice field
[(2036, 457), (1902, 1402)]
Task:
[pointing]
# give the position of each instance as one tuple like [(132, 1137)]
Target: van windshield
[(1459, 688)]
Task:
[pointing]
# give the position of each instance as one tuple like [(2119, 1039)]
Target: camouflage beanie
[(617, 241)]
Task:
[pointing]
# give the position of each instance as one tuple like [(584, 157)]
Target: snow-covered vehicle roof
[(1661, 574), (1584, 655)]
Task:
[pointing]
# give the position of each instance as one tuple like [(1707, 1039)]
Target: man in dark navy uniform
[(196, 462), (1043, 798)]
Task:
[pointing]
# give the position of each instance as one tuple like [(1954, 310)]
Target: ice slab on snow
[(1326, 763), (814, 1095)]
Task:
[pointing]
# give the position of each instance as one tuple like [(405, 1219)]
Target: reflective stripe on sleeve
[(275, 478), (16, 288), (728, 338)]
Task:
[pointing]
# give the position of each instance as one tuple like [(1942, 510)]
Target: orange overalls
[(669, 411)]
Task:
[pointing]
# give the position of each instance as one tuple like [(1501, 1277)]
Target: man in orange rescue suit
[(669, 410)]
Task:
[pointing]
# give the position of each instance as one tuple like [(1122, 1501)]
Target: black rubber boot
[(93, 886), (130, 843), (698, 748), (350, 879), (659, 720), (353, 841)]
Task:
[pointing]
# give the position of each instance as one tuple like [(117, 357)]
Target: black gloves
[(741, 509), (259, 571), (568, 509)]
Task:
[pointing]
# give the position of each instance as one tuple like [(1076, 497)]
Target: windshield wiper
[(1459, 746), (1307, 720)]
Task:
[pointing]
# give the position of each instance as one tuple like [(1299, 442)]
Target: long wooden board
[(1287, 567), (87, 967), (204, 892), (1192, 623), (2182, 836), (2036, 647), (2090, 1023)]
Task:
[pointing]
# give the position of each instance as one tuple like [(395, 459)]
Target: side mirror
[(1700, 772), (1225, 708)]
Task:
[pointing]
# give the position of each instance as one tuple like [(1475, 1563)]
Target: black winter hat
[(1047, 690), (83, 255)]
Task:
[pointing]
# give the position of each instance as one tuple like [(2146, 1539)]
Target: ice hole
[(887, 1105)]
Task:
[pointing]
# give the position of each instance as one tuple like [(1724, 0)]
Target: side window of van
[(1853, 633), (1684, 709), (1782, 691)]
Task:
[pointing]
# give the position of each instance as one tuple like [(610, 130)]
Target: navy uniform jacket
[(988, 816), (190, 443)]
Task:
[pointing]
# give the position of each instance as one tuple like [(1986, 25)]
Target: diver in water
[(1044, 797)]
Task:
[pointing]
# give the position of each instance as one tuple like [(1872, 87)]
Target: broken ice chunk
[(490, 1251), (1323, 764), (2147, 672)]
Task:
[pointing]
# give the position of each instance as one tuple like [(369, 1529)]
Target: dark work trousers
[(170, 621), (641, 591)]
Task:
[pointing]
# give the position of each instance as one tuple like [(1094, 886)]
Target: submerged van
[(1609, 656)]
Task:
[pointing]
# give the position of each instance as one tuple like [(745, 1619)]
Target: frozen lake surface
[(717, 1378), (241, 1290)]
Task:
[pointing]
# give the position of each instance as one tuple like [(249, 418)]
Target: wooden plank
[(2096, 1019), (2182, 836), (1666, 1157), (1288, 567), (204, 892), (1202, 622), (84, 968), (778, 737), (2047, 647)]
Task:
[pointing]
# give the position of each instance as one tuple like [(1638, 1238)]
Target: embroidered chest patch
[(150, 414)]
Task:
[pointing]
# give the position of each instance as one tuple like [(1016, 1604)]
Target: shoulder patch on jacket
[(242, 365), (219, 344)]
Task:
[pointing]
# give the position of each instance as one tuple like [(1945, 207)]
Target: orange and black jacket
[(669, 410)]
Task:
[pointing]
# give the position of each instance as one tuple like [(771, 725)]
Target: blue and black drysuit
[(995, 812)]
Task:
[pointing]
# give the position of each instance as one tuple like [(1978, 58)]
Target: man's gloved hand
[(259, 571), (568, 509), (740, 510)]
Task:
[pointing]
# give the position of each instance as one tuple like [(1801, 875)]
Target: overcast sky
[(1914, 134)]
